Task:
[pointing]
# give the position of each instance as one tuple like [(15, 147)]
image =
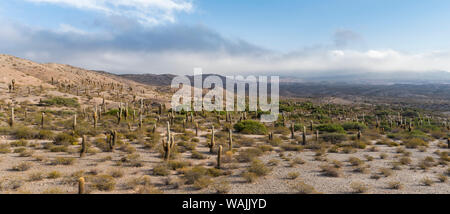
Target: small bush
[(37, 176), (222, 187), (303, 188), (258, 168), (103, 182), (202, 182), (24, 166), (359, 187), (250, 127), (54, 175), (395, 185), (161, 170), (330, 128), (64, 139), (63, 161), (293, 175), (250, 177), (330, 171), (61, 101), (427, 182)]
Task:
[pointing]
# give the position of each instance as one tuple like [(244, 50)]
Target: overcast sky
[(232, 36)]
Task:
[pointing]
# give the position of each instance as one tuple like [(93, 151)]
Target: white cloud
[(148, 12)]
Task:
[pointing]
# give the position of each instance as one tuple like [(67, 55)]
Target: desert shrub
[(161, 170), (292, 175), (37, 176), (194, 174), (64, 139), (386, 172), (53, 175), (250, 177), (415, 143), (23, 132), (24, 166), (61, 148), (61, 101), (5, 148), (26, 153), (405, 160), (63, 161), (354, 161), (353, 126), (222, 187), (303, 188), (197, 155), (258, 167), (248, 154), (395, 185), (291, 147), (117, 173), (45, 135), (427, 182), (250, 127), (330, 128), (202, 182), (334, 137), (103, 182), (442, 178), (330, 171), (359, 187), (19, 143), (174, 165)]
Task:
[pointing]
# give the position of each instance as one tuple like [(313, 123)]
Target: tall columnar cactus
[(95, 116), (270, 135), (42, 119), (74, 125), (359, 135), (213, 141), (83, 146), (13, 84), (230, 139), (168, 144), (112, 140), (448, 143), (311, 125), (317, 135), (304, 135), (292, 131), (12, 119), (219, 157), (81, 185), (196, 129)]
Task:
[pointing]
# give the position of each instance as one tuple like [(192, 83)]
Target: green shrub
[(61, 101), (258, 167), (415, 143), (334, 137), (161, 170), (250, 127), (64, 139), (353, 126), (330, 128), (103, 182)]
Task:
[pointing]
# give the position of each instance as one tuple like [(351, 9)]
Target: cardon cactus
[(292, 131), (12, 119), (83, 146), (212, 143), (304, 135), (230, 139), (81, 185), (219, 157), (168, 144)]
